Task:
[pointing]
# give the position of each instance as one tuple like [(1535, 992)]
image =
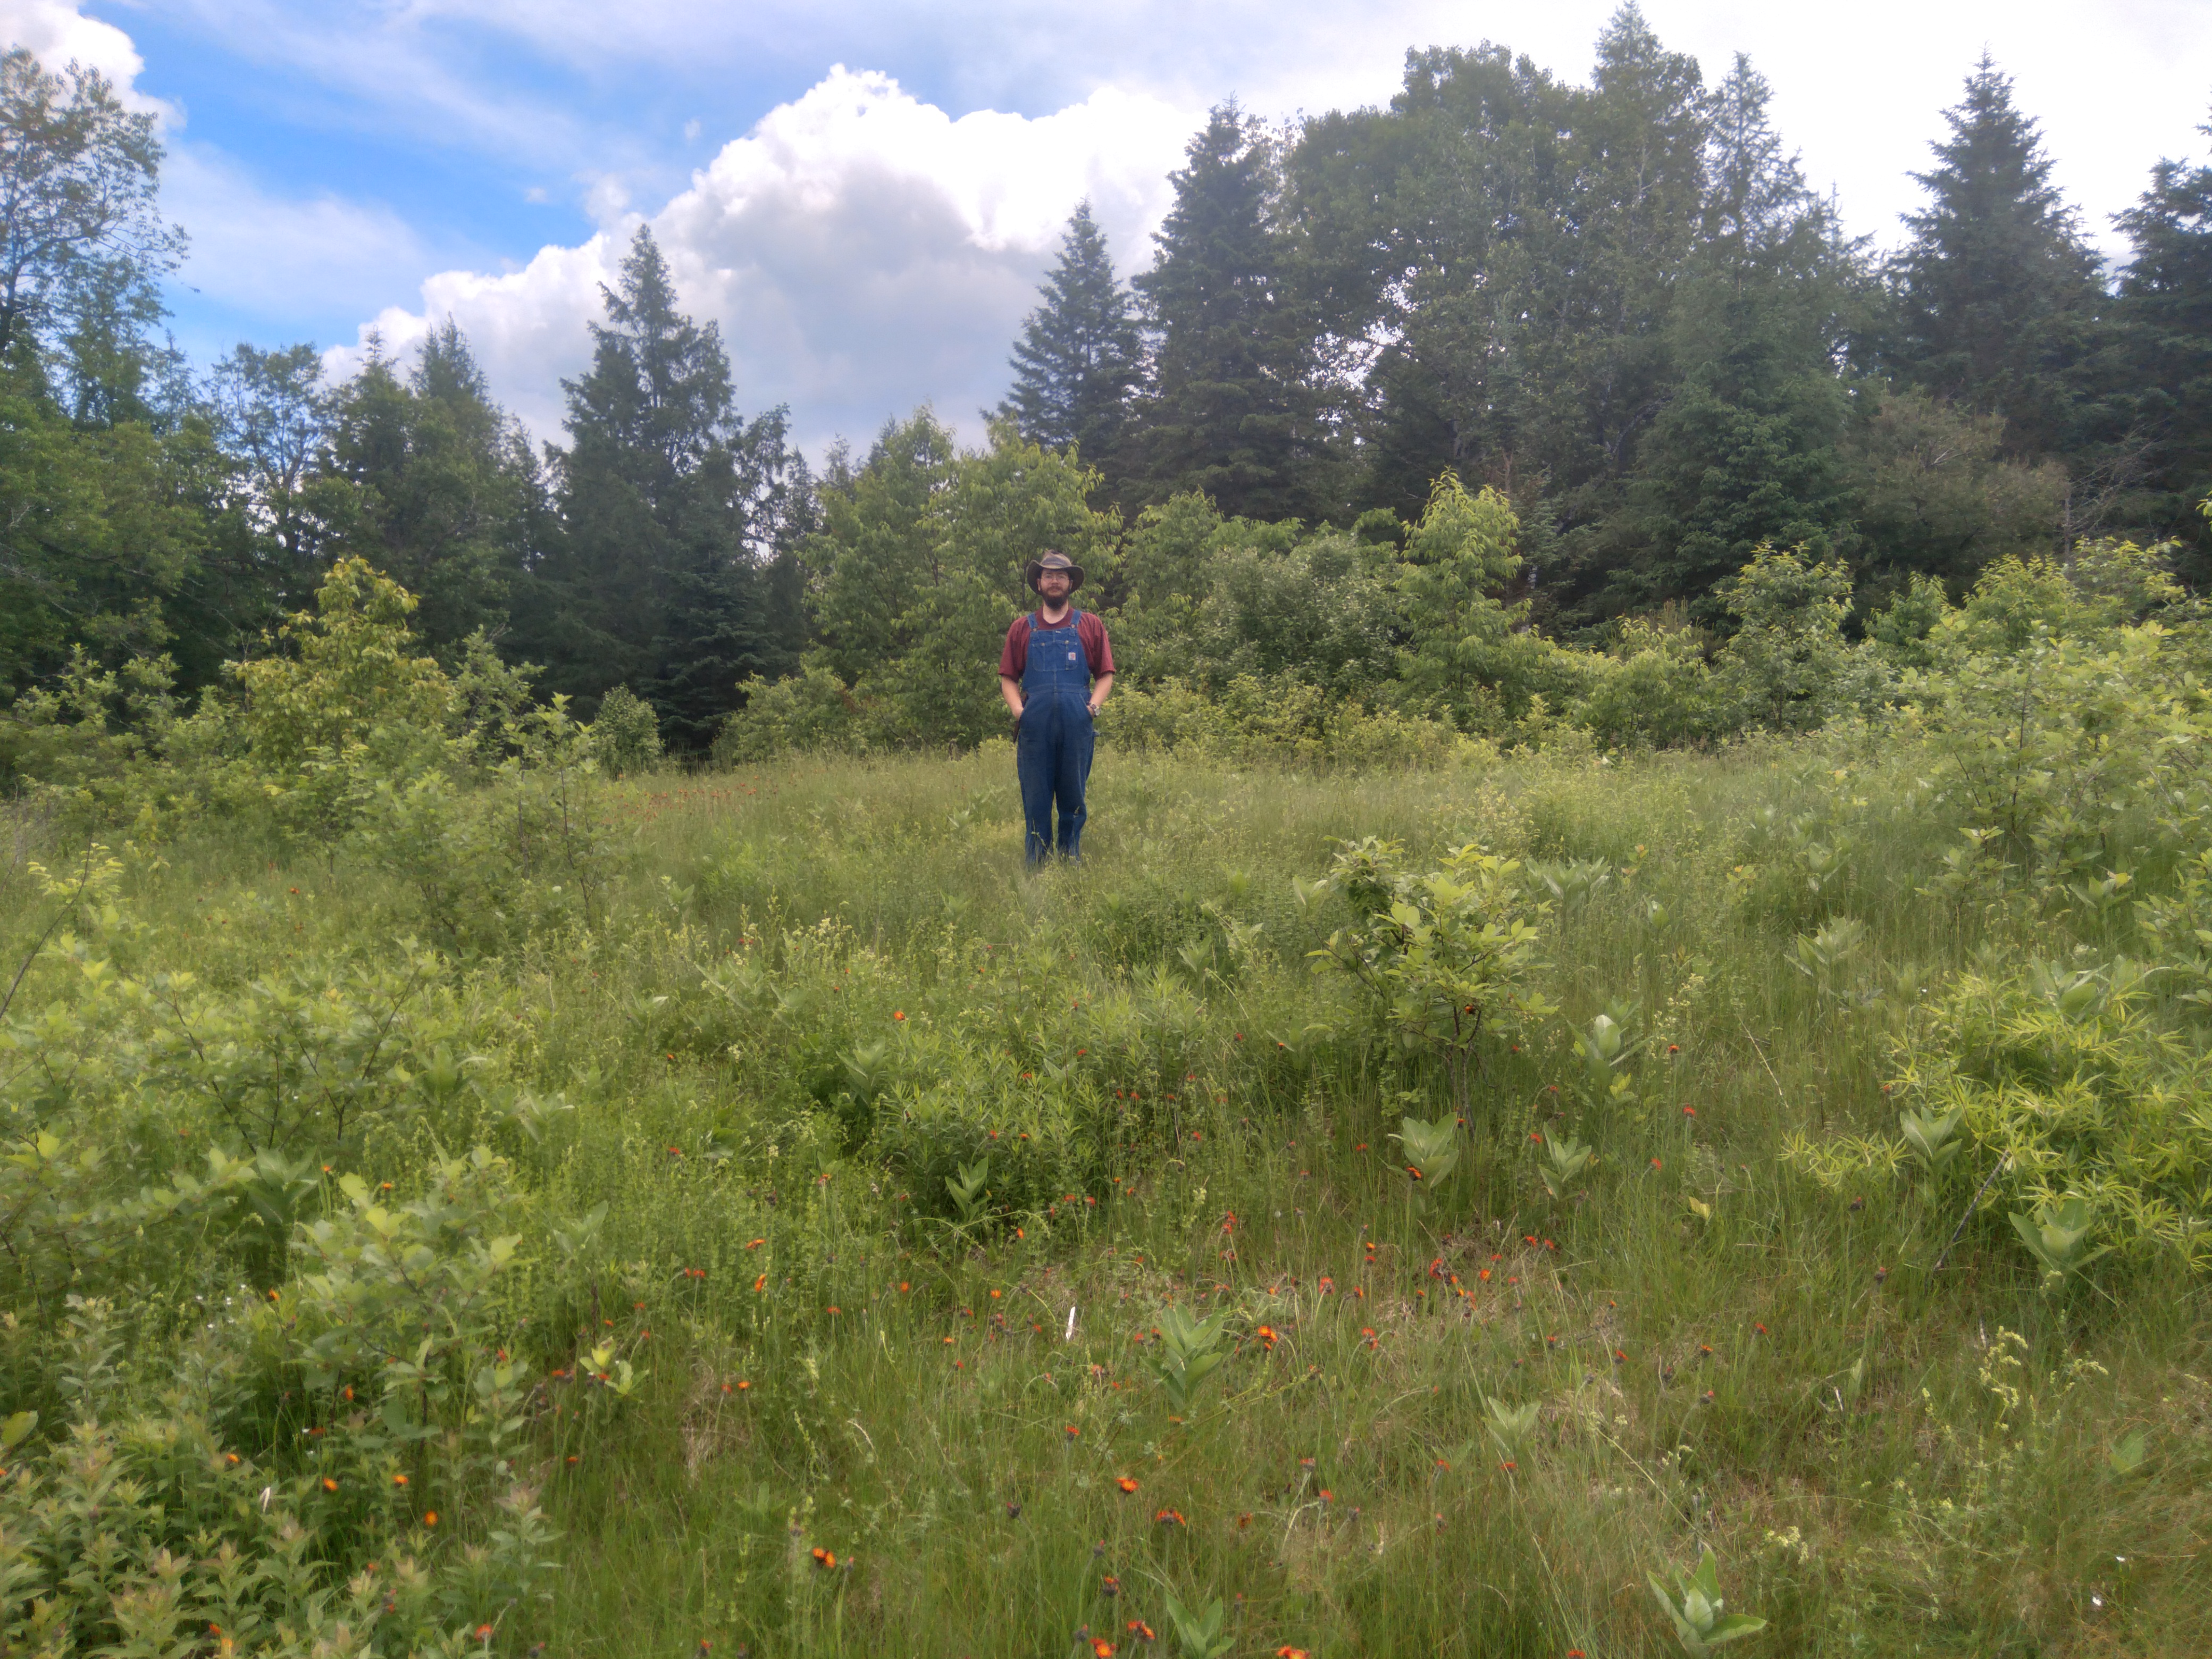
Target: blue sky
[(864, 195)]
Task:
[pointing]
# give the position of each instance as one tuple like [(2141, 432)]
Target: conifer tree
[(442, 482), (1744, 451), (1996, 293), (667, 506), (1079, 352), (2164, 316), (1230, 409)]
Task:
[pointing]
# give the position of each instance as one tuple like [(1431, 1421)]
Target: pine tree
[(1997, 294), (1229, 409), (1744, 451), (2164, 318), (666, 504), (1079, 352), (442, 482)]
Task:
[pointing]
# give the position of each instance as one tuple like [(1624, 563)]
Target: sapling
[(1693, 1604)]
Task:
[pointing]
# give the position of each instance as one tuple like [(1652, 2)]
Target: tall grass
[(1725, 1352)]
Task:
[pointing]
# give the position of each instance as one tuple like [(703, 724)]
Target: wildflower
[(397, 1480), (1168, 1518), (1070, 1429), (1657, 1164), (1620, 1356), (329, 1484), (1689, 1111), (1126, 1483), (898, 1013), (1759, 1329), (1706, 1398), (1109, 1586), (835, 1309), (1289, 1652), (1013, 1511), (1144, 1631), (484, 1632), (1483, 1274), (903, 1287), (430, 1517), (759, 1284), (823, 1559), (1327, 1496), (1244, 1521), (754, 1244), (1266, 1335), (1508, 1466), (1101, 1648)]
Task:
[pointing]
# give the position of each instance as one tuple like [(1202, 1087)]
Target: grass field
[(799, 997)]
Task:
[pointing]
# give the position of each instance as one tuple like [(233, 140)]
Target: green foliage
[(1448, 957), (1198, 1633), (1077, 361), (1787, 666), (2056, 1235), (626, 735), (1190, 1351), (1566, 1161), (2073, 1083), (1693, 1604)]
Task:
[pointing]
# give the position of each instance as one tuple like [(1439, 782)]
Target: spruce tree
[(2164, 318), (1997, 294), (1230, 409), (667, 508), (1079, 354), (1744, 451), (442, 482)]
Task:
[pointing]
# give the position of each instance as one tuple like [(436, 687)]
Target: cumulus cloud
[(57, 34), (863, 251)]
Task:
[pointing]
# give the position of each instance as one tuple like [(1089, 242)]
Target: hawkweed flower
[(1168, 1518), (1110, 1585), (823, 1559), (1140, 1630), (1127, 1484)]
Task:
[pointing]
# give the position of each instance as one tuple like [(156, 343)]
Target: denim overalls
[(1053, 743)]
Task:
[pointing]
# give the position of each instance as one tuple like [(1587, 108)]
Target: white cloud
[(57, 34), (863, 251), (262, 253)]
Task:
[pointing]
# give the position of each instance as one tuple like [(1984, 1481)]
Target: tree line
[(1617, 312)]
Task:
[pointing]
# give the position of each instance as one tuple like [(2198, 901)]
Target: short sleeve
[(1098, 647), (1014, 658)]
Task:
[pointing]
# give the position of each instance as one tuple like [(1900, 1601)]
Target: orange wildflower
[(1126, 1483), (430, 1517)]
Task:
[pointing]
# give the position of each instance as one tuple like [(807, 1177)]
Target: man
[(1057, 669)]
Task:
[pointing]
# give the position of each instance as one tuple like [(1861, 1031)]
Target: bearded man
[(1055, 670)]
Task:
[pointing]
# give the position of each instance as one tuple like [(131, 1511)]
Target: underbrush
[(755, 1213)]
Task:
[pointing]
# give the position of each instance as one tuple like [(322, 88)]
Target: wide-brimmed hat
[(1054, 561)]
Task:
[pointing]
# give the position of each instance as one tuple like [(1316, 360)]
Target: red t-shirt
[(1097, 650)]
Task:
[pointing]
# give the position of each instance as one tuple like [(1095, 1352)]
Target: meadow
[(743, 1213)]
